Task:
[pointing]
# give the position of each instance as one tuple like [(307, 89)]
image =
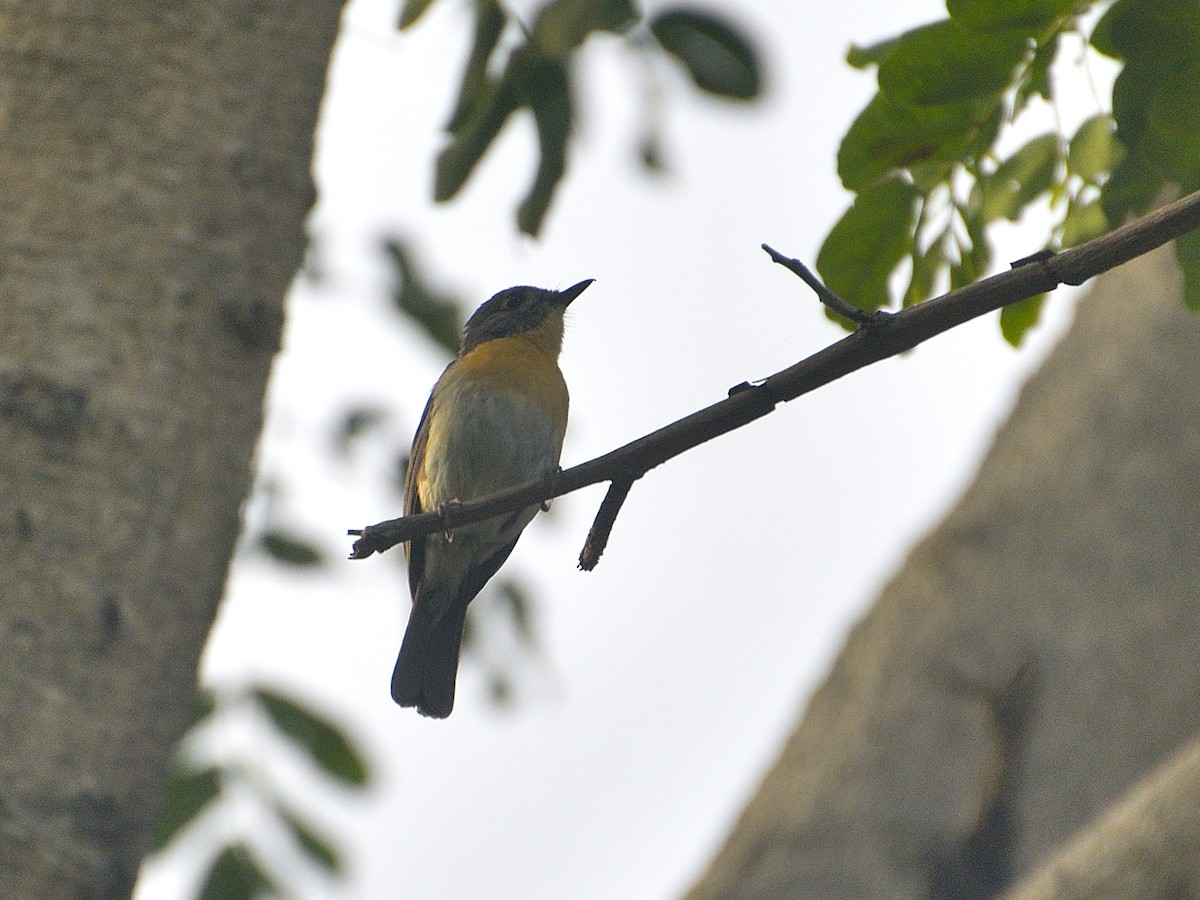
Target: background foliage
[(922, 157)]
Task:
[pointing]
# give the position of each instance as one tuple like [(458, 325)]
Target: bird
[(496, 417)]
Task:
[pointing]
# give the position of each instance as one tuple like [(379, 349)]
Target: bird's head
[(531, 311)]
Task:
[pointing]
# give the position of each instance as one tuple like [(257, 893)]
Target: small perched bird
[(495, 418)]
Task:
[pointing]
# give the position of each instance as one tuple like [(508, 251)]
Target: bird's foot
[(551, 484), (447, 510)]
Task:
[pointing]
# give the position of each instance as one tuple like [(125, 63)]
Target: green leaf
[(489, 24), (187, 793), (236, 875), (946, 63), (976, 256), (412, 11), (437, 313), (1154, 97), (323, 741), (1083, 222), (719, 59), (868, 242), (1094, 149), (861, 57), (1020, 179), (497, 100), (1172, 140), (888, 135), (928, 177), (1187, 251), (1132, 188), (1035, 80), (563, 25), (1132, 93), (1017, 318), (548, 94), (318, 848), (1031, 16), (290, 550), (1164, 33), (925, 267)]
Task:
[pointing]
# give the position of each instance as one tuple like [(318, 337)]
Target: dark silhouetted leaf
[(412, 11), (203, 706), (719, 59), (356, 422), (500, 689), (323, 741), (946, 63), (520, 608), (650, 152), (435, 311), (563, 25), (1017, 318), (548, 93), (489, 23), (187, 793), (290, 550), (497, 100), (236, 875), (318, 849), (868, 242)]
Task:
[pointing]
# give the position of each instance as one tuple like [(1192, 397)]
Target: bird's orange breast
[(517, 365)]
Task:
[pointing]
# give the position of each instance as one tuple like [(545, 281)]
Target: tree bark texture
[(1144, 846), (1036, 655), (153, 191)]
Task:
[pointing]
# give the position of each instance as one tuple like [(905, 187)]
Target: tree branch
[(606, 517), (824, 294), (875, 340)]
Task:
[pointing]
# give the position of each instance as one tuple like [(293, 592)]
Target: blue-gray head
[(537, 312)]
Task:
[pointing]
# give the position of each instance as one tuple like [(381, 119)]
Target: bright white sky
[(669, 676)]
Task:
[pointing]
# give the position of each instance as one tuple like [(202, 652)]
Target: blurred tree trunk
[(1037, 655), (153, 194)]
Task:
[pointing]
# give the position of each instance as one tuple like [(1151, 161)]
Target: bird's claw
[(446, 510)]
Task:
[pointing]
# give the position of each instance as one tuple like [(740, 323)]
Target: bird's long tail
[(427, 666)]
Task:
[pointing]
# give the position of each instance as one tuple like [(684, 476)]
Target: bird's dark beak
[(565, 297)]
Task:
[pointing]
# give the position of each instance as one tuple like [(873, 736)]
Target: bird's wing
[(412, 497)]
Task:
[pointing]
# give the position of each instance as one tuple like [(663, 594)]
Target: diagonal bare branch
[(875, 340)]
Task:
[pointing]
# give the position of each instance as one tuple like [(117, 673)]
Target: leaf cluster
[(502, 77), (195, 789), (922, 157)]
